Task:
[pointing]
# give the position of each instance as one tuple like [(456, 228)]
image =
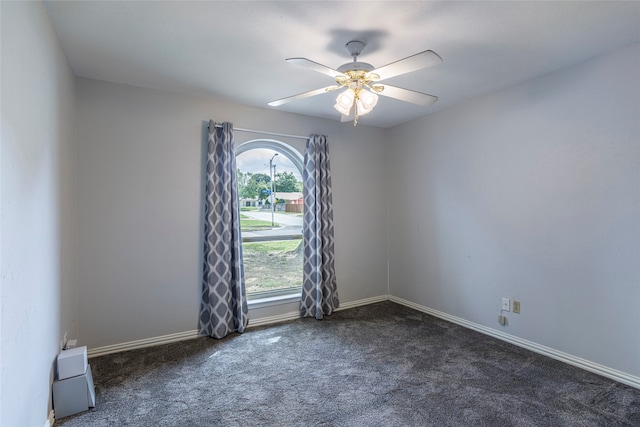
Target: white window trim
[(275, 300)]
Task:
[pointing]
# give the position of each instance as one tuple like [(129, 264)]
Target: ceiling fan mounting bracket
[(354, 47)]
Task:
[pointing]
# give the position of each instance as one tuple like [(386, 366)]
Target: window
[(270, 191)]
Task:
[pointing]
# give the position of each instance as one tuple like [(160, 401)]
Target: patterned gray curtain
[(319, 291), (224, 303)]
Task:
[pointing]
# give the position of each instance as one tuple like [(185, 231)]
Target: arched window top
[(277, 146)]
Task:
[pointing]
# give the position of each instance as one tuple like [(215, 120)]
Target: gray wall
[(139, 206), (38, 206), (531, 193)]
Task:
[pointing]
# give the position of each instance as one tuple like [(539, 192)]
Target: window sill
[(273, 301)]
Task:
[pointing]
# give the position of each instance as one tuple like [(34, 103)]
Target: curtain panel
[(223, 307), (319, 291)]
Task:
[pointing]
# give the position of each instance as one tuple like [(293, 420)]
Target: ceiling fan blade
[(306, 63), (304, 95), (412, 96), (412, 63)]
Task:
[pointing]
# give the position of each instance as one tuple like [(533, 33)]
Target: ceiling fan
[(361, 81)]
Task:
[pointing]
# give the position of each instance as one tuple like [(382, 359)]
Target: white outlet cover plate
[(505, 304)]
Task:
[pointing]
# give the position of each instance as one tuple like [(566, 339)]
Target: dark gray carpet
[(378, 365)]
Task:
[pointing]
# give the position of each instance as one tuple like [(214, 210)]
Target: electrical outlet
[(505, 304), (516, 306), (501, 319)]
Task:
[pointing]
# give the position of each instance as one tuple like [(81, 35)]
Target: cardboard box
[(72, 362), (73, 395)]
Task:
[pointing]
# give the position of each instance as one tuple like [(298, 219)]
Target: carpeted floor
[(377, 365)]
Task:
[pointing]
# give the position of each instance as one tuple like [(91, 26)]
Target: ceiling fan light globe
[(344, 102), (369, 99), (362, 109), (346, 98), (342, 109)]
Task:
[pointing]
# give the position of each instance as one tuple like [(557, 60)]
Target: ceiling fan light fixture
[(368, 99), (360, 81), (344, 102), (361, 110)]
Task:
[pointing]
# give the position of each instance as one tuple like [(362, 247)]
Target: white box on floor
[(72, 362), (73, 395)]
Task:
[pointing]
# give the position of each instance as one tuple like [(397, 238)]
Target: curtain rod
[(267, 133)]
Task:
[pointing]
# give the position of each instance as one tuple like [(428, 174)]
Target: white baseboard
[(147, 342), (596, 368), (587, 365), (50, 420), (361, 302), (187, 335)]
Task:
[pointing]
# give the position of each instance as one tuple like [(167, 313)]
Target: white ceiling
[(236, 50)]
